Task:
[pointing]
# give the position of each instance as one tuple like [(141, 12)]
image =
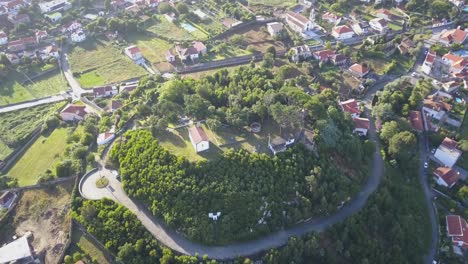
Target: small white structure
[(134, 53), (279, 144), (274, 28), (447, 153), (3, 38), (17, 251), (170, 57), (202, 15), (446, 177), (54, 5), (54, 17), (342, 32), (7, 199), (73, 113), (301, 53), (199, 139), (428, 62), (105, 138), (450, 86), (78, 36), (379, 24)]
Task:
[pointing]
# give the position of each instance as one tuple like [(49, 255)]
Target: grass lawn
[(89, 251), (12, 91), (104, 64), (42, 155), (463, 161), (170, 30), (274, 3), (153, 49), (16, 126)]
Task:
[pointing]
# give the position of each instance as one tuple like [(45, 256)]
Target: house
[(361, 28), (54, 6), (274, 28), (170, 57), (105, 91), (338, 59), (361, 126), (200, 47), (73, 113), (41, 35), (379, 24), (17, 251), (323, 55), (134, 53), (351, 106), (199, 139), (450, 37), (342, 32), (450, 86), (3, 38), (13, 58), (105, 138), (457, 229), (331, 18), (72, 26), (54, 17), (446, 177), (428, 62), (19, 19), (416, 121), (78, 36), (7, 199), (128, 87), (187, 53), (306, 3), (114, 105), (447, 153), (171, 17), (301, 53), (298, 22), (14, 6), (436, 107), (405, 45), (21, 44), (456, 63), (279, 144), (359, 70), (50, 51), (384, 13)]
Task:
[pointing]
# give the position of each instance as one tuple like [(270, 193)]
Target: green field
[(274, 3), (89, 251), (172, 31), (103, 64), (42, 155), (12, 91), (16, 126), (463, 161), (153, 49)]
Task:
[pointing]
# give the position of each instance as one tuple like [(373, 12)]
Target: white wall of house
[(3, 41), (70, 117), (343, 36), (201, 146), (360, 131)]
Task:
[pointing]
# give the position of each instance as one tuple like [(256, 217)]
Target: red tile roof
[(457, 35), (350, 106), (450, 143), (430, 57), (102, 90), (416, 121), (323, 55), (197, 134), (359, 68), (199, 46), (449, 175), (115, 104), (384, 11), (75, 109), (3, 34), (457, 228), (133, 49), (363, 123), (342, 29)]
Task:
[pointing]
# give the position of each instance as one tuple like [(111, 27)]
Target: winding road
[(178, 243)]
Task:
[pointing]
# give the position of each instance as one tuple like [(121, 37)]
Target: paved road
[(48, 100), (74, 84), (424, 153), (177, 242)]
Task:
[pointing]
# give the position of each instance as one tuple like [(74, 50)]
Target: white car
[(414, 74), (426, 165)]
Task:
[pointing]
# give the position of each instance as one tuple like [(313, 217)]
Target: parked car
[(414, 74), (426, 165)]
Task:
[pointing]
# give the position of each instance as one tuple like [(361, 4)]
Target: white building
[(446, 177), (450, 86), (54, 5), (379, 24), (105, 91), (361, 28), (428, 62), (274, 28), (301, 53), (78, 36), (447, 153), (361, 126), (279, 144), (298, 22), (73, 113), (134, 53), (199, 139), (105, 138), (342, 32), (3, 38), (17, 251)]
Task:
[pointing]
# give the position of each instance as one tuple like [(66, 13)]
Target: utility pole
[(214, 217)]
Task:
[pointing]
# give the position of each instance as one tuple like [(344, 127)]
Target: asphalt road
[(48, 100)]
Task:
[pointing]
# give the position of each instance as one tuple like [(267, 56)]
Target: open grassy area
[(153, 49), (16, 126), (176, 32), (89, 251), (12, 91), (463, 161), (42, 155), (102, 64), (44, 212), (274, 3)]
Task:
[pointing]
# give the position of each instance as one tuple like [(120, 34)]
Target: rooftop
[(197, 134), (16, 250)]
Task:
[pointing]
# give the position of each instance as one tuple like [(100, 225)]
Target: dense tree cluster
[(267, 194)]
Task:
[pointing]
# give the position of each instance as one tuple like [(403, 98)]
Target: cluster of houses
[(457, 230)]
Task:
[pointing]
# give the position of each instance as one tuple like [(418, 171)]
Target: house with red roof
[(416, 121), (199, 138), (436, 106), (359, 70), (200, 47), (447, 153), (331, 18), (450, 37), (105, 138), (429, 62), (450, 86), (22, 44), (455, 63), (14, 6), (457, 229), (338, 59), (114, 105), (342, 32), (19, 19), (361, 126), (351, 106), (323, 55), (40, 35), (134, 53), (105, 91), (384, 13), (3, 38), (73, 112), (446, 177)]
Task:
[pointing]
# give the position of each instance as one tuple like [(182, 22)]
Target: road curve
[(178, 243)]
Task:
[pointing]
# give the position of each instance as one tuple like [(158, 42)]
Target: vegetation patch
[(153, 49), (102, 183)]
